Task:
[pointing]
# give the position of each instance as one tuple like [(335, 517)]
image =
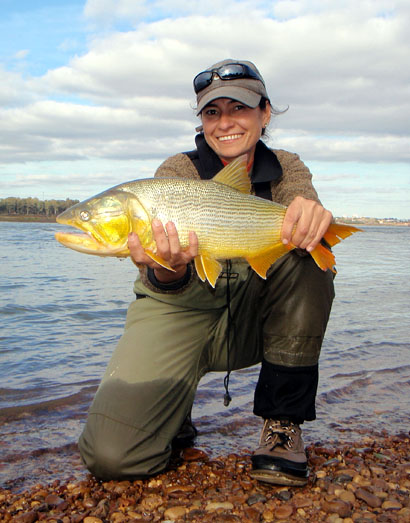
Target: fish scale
[(228, 221)]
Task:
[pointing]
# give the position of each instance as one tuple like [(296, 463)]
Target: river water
[(61, 314)]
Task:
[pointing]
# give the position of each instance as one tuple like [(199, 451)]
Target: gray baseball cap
[(247, 90)]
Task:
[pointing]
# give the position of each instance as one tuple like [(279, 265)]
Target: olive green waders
[(171, 340)]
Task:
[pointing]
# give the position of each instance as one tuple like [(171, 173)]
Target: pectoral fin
[(261, 263), (209, 268), (159, 260)]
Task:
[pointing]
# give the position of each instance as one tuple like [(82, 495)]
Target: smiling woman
[(142, 407)]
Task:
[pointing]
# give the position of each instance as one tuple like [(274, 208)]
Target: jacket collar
[(266, 166)]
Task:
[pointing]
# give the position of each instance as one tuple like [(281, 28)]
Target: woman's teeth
[(230, 137)]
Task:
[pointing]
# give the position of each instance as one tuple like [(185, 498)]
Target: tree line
[(34, 206)]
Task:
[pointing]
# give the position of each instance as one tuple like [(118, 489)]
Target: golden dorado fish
[(228, 220)]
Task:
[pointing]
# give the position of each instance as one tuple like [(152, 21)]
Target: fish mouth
[(86, 243)]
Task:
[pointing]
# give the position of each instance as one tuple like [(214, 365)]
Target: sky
[(98, 92)]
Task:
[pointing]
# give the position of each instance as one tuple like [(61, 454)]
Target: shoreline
[(27, 218), (364, 481)]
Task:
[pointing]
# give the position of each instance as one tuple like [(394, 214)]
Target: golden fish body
[(228, 220), (229, 224)]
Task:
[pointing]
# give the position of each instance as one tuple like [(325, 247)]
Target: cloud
[(368, 148), (341, 67), (20, 55), (64, 131), (343, 73)]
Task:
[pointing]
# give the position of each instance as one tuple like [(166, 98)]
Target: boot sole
[(277, 478)]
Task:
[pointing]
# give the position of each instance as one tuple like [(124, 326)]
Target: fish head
[(105, 220)]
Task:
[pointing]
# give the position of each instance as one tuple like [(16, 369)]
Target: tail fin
[(339, 231), (324, 258), (336, 232)]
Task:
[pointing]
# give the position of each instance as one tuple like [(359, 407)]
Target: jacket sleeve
[(296, 179), (177, 166)]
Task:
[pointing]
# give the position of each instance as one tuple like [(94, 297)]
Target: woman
[(183, 328)]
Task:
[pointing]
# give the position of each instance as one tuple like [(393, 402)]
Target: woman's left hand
[(305, 223)]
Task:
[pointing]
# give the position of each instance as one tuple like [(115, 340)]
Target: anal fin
[(199, 268), (211, 268), (261, 263)]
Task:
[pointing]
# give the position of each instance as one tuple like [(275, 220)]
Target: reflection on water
[(61, 314)]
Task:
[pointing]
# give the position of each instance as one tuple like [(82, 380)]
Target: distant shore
[(27, 218), (351, 221)]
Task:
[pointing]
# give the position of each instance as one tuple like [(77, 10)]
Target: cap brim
[(241, 94)]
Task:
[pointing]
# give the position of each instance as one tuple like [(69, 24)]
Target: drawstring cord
[(231, 326)]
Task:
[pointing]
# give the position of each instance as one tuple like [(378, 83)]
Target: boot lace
[(279, 433)]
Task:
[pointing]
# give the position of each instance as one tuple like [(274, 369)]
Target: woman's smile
[(229, 137)]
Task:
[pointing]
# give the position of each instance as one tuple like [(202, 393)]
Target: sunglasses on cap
[(225, 72)]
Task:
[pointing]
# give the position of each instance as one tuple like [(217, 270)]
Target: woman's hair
[(276, 112)]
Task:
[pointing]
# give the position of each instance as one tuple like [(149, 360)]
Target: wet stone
[(341, 508), (391, 505), (347, 496), (301, 501), (53, 500), (193, 454), (89, 503), (268, 515), (369, 498), (29, 517), (102, 509), (343, 478), (252, 513), (283, 495), (284, 511), (175, 513), (256, 498), (330, 462), (216, 505)]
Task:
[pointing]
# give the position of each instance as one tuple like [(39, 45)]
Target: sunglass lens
[(231, 71), (202, 80)]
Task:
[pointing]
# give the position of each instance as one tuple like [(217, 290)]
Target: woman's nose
[(225, 121)]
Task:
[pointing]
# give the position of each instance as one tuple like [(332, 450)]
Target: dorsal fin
[(235, 175)]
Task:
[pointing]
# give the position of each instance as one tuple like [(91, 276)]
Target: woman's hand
[(305, 223), (168, 248)]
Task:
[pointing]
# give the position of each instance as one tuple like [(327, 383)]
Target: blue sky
[(97, 92)]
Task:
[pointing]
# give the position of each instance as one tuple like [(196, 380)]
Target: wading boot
[(186, 434), (280, 458)]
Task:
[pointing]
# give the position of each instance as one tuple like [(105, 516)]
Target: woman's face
[(232, 128)]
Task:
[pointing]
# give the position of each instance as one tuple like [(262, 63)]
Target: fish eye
[(85, 216)]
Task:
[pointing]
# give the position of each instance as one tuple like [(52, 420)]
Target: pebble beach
[(365, 481)]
